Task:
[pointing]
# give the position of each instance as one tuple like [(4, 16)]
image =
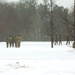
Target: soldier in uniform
[(13, 41), (56, 39), (7, 42), (10, 40), (60, 42), (17, 41), (67, 40)]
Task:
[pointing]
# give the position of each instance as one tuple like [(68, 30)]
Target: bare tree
[(70, 24), (51, 25), (50, 31)]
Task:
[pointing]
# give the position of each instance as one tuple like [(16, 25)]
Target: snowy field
[(37, 58)]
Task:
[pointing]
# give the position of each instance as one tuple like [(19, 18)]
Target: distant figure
[(17, 41), (67, 39), (60, 42), (10, 40), (13, 41), (56, 39), (7, 42)]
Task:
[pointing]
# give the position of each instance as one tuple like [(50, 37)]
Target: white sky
[(65, 3)]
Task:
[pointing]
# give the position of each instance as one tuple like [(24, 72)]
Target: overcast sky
[(65, 3)]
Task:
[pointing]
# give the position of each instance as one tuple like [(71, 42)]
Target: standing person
[(10, 40), (56, 39), (60, 42), (19, 37), (17, 41), (13, 41), (67, 40), (7, 42)]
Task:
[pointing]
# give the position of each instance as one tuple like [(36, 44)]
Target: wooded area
[(32, 21)]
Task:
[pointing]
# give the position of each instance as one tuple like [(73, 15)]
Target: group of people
[(58, 40), (16, 40), (13, 41)]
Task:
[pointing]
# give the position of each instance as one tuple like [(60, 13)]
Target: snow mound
[(17, 65)]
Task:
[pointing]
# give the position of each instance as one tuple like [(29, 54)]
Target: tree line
[(32, 21)]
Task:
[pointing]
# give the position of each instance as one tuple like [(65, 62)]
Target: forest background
[(32, 21)]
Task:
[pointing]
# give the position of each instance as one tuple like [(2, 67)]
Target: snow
[(37, 58)]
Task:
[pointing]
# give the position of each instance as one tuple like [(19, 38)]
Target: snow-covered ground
[(37, 58)]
